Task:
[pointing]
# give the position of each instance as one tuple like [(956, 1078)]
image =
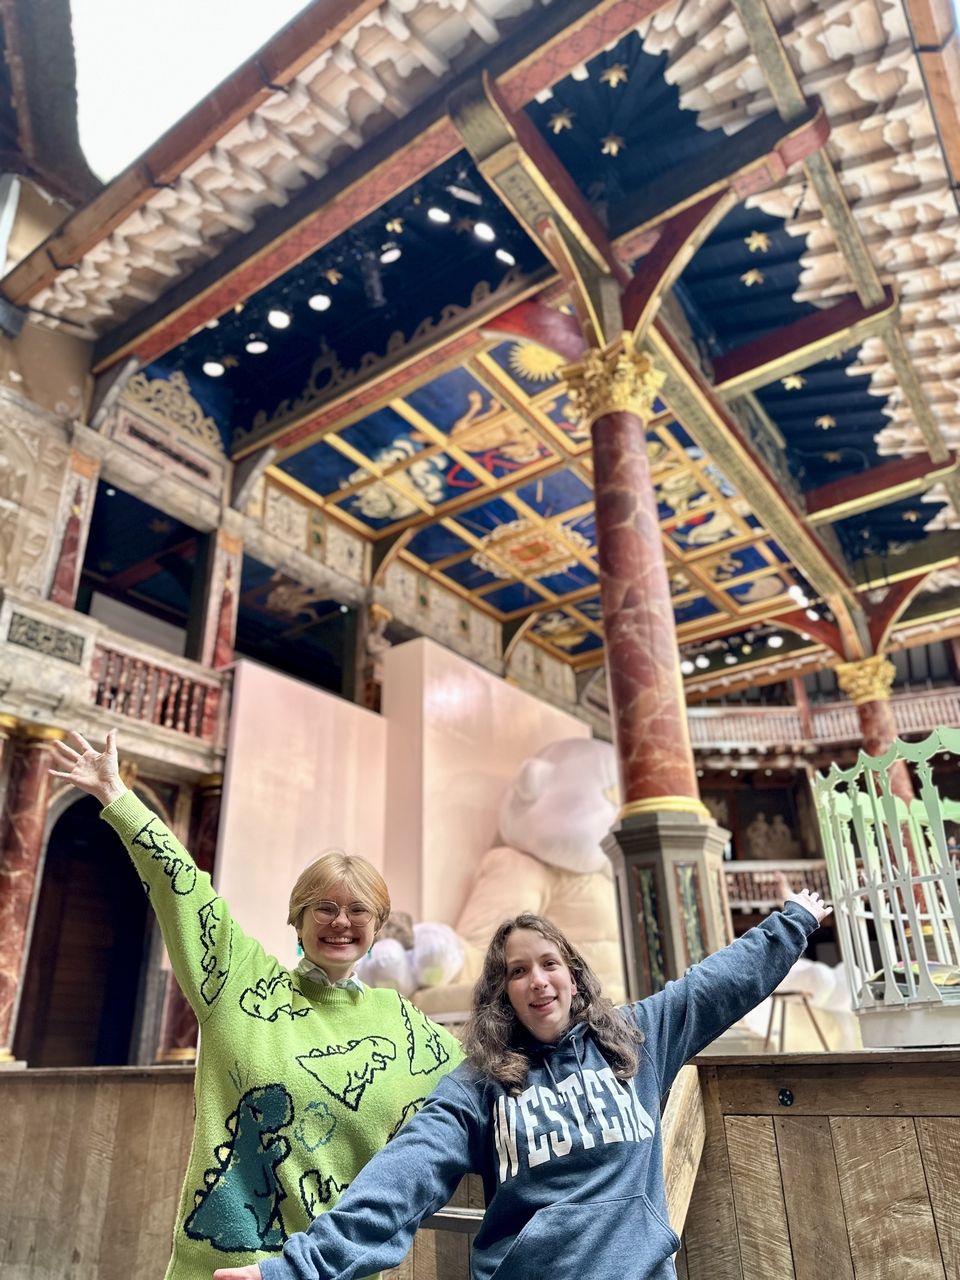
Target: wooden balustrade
[(159, 692), (751, 886), (769, 728)]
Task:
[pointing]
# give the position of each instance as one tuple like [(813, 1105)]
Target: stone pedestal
[(672, 895)]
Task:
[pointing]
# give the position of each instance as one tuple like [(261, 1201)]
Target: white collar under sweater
[(313, 973)]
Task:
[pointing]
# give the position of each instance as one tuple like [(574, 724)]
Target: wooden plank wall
[(828, 1167), (91, 1165)]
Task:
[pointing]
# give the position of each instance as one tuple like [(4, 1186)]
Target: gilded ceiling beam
[(937, 551), (801, 344), (876, 487)]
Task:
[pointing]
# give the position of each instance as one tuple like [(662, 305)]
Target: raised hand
[(809, 899), (96, 772)]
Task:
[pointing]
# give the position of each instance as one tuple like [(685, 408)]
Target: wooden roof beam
[(876, 487)]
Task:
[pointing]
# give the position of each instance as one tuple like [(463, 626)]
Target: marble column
[(214, 622), (72, 527), (868, 684), (178, 1027), (21, 844), (667, 851)]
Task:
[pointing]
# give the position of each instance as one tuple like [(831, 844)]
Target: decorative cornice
[(170, 402), (867, 681), (612, 380)]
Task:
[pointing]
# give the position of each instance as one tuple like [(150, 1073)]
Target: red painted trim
[(822, 631), (802, 333), (882, 617), (875, 480), (551, 63), (536, 323)]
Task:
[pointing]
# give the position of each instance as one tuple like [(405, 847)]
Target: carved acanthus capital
[(615, 379), (867, 681)]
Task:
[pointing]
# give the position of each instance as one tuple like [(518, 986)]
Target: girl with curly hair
[(557, 1108)]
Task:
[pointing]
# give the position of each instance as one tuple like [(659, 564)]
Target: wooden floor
[(828, 1167)]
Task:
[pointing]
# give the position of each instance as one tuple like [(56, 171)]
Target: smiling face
[(540, 986), (336, 945)]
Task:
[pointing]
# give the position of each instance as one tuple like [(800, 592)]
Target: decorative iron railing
[(893, 869)]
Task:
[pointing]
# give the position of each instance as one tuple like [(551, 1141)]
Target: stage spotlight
[(278, 319), (686, 666), (701, 661), (775, 642), (484, 231), (506, 258), (257, 346), (438, 215), (389, 253), (319, 302), (214, 369)]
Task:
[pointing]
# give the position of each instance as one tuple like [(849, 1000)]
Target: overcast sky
[(141, 65)]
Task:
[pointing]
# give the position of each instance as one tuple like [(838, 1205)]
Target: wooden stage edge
[(833, 1166)]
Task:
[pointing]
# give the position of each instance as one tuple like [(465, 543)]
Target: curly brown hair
[(493, 1037)]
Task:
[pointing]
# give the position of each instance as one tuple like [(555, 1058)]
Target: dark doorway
[(83, 972)]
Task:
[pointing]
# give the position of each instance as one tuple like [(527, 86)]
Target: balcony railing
[(60, 666), (785, 727), (752, 886), (161, 692)]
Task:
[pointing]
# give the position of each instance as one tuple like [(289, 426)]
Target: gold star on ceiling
[(831, 456), (463, 225), (617, 74), (752, 277), (757, 241), (333, 276), (561, 120), (911, 517), (395, 226), (826, 422), (793, 382), (229, 362), (612, 144)]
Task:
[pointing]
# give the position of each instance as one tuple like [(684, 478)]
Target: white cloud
[(141, 66)]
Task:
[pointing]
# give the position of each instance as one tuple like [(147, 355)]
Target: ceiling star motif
[(832, 456), (395, 226), (911, 517), (561, 120), (757, 242), (333, 276), (752, 277), (793, 382), (521, 547), (615, 75), (463, 225), (612, 144), (533, 362), (826, 422)]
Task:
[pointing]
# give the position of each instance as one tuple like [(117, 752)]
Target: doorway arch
[(83, 973)]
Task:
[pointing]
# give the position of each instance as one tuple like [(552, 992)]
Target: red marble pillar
[(666, 850), (879, 731), (73, 528), (21, 845), (178, 1031), (867, 684), (643, 662), (222, 600)]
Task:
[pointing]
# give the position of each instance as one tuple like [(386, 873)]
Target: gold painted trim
[(664, 804), (881, 497), (43, 733), (7, 722)]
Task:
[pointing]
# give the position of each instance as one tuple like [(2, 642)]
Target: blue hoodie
[(572, 1166)]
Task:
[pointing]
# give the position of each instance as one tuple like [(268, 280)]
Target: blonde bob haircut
[(334, 870)]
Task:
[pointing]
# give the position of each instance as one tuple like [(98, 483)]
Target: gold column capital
[(612, 379), (869, 680)]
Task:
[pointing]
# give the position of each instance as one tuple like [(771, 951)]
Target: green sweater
[(297, 1085)]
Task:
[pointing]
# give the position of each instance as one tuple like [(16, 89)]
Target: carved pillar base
[(672, 895)]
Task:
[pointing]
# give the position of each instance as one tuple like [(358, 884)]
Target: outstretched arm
[(372, 1225), (201, 938), (687, 1014)]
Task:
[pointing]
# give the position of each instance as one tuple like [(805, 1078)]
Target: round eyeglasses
[(325, 912)]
